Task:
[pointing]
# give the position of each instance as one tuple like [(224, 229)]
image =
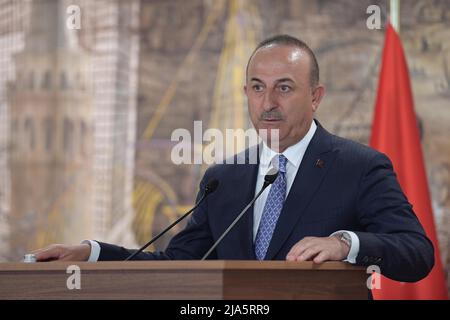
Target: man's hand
[(319, 250), (63, 252)]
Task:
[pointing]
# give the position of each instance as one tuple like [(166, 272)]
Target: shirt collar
[(294, 154)]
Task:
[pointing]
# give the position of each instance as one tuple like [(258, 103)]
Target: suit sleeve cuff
[(354, 248), (95, 250)]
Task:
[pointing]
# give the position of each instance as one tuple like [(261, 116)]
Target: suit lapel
[(316, 162)]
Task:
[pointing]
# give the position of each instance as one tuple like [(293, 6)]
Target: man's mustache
[(271, 115)]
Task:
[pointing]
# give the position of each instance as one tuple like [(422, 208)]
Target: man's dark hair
[(288, 40)]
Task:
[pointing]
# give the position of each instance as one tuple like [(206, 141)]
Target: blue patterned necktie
[(272, 210)]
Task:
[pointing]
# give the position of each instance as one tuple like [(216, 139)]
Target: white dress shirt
[(294, 154)]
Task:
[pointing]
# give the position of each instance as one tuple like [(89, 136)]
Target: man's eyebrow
[(285, 80), (277, 81), (256, 79)]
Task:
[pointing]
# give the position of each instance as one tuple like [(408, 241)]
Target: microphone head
[(271, 176), (211, 186)]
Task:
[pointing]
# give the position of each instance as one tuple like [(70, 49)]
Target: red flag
[(395, 132)]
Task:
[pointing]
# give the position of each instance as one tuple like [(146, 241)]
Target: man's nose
[(270, 101)]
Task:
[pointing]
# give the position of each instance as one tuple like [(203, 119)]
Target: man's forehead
[(281, 53), (273, 62)]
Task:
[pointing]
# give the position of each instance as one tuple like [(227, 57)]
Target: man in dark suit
[(333, 199)]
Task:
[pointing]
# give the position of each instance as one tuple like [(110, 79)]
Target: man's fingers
[(299, 248), (317, 249), (292, 254), (50, 253), (309, 254), (322, 257), (295, 252)]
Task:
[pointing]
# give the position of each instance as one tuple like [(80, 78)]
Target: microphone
[(210, 188), (269, 178)]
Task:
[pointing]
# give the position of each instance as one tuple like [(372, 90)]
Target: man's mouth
[(271, 120), (271, 116)]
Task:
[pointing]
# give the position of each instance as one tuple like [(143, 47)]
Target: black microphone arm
[(269, 178), (210, 188)]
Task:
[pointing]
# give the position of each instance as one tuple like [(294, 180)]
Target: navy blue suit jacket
[(354, 189)]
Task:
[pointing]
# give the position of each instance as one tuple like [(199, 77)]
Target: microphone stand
[(268, 181), (211, 187)]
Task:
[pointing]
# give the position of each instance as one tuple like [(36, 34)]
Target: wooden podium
[(187, 280)]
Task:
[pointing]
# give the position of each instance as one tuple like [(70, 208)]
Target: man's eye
[(257, 88), (285, 88)]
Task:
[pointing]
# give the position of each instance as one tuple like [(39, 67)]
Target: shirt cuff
[(95, 250), (354, 248)]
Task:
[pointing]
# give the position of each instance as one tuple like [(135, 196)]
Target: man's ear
[(245, 89), (317, 95)]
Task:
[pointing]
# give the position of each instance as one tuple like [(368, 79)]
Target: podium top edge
[(180, 265)]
